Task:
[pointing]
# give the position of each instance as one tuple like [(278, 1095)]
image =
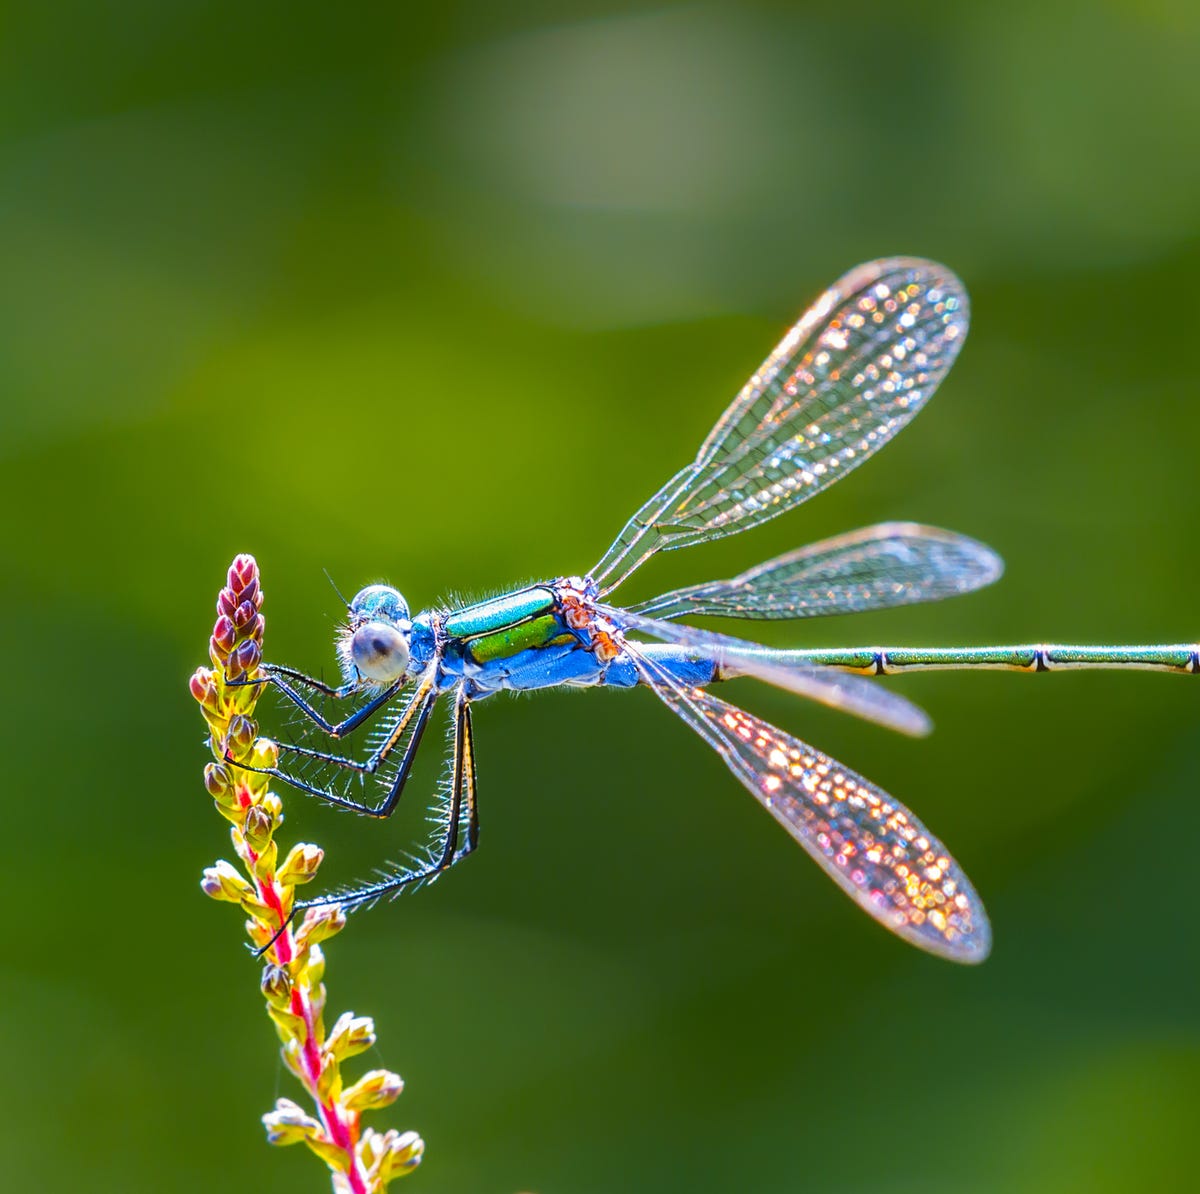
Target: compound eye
[(380, 652), (378, 601)]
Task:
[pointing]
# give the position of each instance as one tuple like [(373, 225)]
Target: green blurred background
[(438, 295)]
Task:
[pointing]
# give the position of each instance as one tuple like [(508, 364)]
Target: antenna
[(335, 588)]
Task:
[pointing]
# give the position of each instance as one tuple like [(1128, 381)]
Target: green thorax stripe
[(505, 625), (537, 632)]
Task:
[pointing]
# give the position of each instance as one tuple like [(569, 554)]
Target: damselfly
[(859, 364)]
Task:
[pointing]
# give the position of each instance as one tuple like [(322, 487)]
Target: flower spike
[(360, 1160)]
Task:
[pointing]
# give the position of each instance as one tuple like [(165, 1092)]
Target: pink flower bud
[(350, 1035), (320, 924), (247, 656), (375, 1089), (251, 593), (203, 688), (242, 571), (265, 754), (218, 781), (276, 985), (241, 735), (300, 865), (224, 634), (258, 828), (402, 1153), (224, 882), (290, 1124)]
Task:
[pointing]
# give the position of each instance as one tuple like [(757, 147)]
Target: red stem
[(341, 1132)]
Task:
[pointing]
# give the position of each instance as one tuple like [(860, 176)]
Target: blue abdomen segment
[(571, 666), (680, 664), (537, 667)]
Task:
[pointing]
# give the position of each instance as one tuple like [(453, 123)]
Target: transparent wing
[(894, 563), (855, 369), (867, 842), (735, 657)]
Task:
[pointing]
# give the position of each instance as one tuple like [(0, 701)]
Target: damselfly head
[(375, 643)]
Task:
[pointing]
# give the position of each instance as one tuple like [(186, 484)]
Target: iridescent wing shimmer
[(867, 842), (736, 657), (894, 563), (848, 376)]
